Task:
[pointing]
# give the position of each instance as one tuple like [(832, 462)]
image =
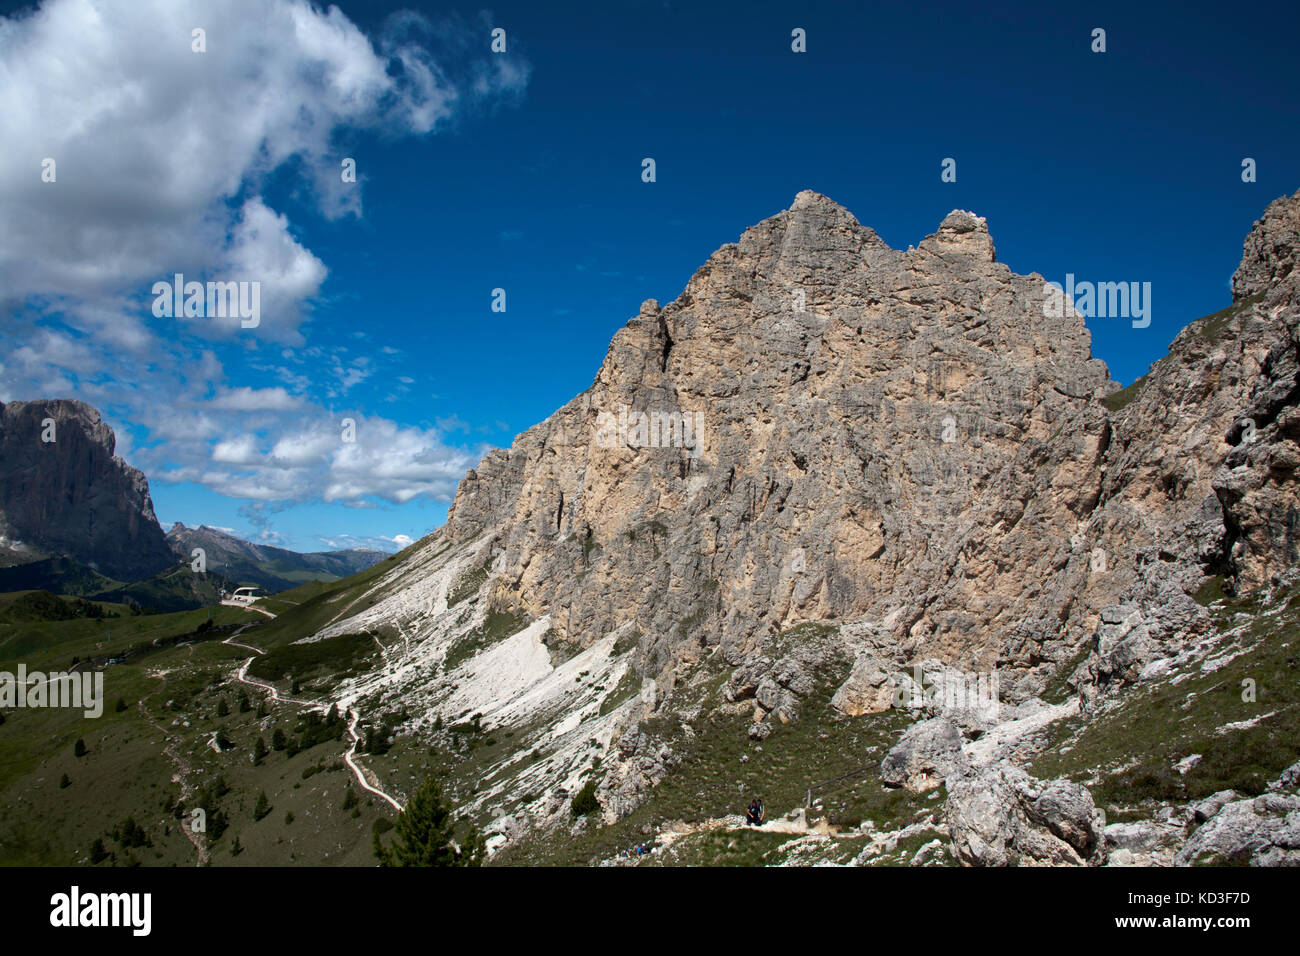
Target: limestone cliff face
[(1198, 478), (902, 437), (72, 496), (1256, 482)]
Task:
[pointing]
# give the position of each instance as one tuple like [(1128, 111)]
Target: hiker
[(754, 815)]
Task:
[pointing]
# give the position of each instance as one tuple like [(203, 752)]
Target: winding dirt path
[(363, 775), (365, 778), (183, 769)]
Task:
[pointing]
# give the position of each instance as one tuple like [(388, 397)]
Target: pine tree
[(244, 705), (97, 852), (79, 748), (278, 740), (263, 806), (223, 709), (425, 832), (64, 782), (259, 751)]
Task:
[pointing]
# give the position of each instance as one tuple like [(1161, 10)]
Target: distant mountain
[(63, 493), (275, 569), (77, 520)]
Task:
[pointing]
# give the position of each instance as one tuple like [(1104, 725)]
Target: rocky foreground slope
[(828, 477)]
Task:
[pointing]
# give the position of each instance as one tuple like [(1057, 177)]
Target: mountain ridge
[(915, 464), (866, 532), (267, 566)]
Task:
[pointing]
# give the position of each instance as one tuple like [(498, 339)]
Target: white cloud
[(314, 462), (296, 451), (162, 155), (255, 399), (160, 152), (237, 451)]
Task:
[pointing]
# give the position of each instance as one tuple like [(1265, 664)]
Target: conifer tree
[(425, 834)]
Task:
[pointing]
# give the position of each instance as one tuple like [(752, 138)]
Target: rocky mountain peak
[(874, 419), (830, 472), (1269, 253)]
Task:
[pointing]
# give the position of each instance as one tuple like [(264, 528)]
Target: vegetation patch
[(628, 687), (1211, 327), (468, 586), (44, 606), (332, 655), (719, 769), (1239, 722), (1116, 401)]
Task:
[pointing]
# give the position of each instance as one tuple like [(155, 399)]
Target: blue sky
[(522, 171)]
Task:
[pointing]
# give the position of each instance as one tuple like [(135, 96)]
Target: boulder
[(1001, 816), (929, 751), (1264, 831)]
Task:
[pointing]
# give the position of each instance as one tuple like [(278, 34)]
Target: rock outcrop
[(1263, 831), (1001, 816), (871, 433), (928, 751), (64, 493)]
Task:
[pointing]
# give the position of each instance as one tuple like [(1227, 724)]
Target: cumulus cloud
[(159, 158), (159, 151), (317, 457)]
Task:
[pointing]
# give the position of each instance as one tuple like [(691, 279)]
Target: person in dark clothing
[(754, 815)]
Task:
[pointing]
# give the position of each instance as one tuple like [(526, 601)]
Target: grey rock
[(1001, 816), (928, 751), (1289, 779), (1264, 831), (934, 853), (869, 688), (1212, 804)]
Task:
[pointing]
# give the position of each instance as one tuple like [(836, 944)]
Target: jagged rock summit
[(873, 428)]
